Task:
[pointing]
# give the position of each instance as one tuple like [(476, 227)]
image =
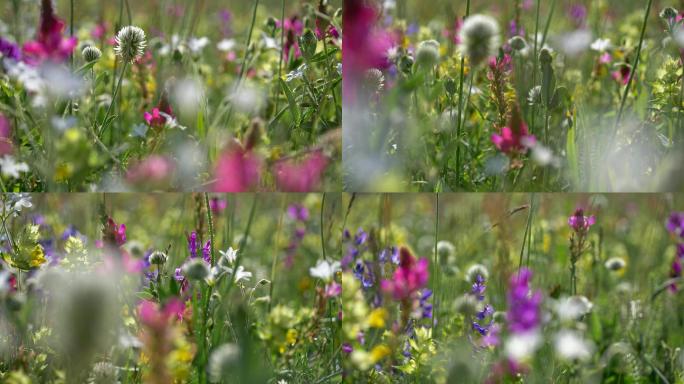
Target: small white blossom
[(325, 270), (11, 168)]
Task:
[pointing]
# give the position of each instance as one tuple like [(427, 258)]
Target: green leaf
[(294, 108)]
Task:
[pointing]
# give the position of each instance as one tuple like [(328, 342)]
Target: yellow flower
[(377, 317), (291, 336), (379, 352), (37, 256)]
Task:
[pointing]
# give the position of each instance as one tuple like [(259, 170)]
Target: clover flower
[(91, 53), (130, 43), (479, 38)]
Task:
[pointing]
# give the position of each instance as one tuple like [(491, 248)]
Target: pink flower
[(622, 75), (154, 168), (217, 205), (237, 170), (333, 289), (304, 176), (160, 115), (293, 29), (580, 223), (365, 45), (6, 146), (605, 58), (98, 31), (515, 138), (152, 316), (49, 44), (411, 276)]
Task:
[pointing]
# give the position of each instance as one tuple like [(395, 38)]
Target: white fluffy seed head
[(427, 53), (130, 43), (91, 53), (479, 38)]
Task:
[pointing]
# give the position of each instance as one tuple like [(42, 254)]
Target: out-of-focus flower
[(9, 50), (298, 212), (217, 205), (237, 170), (113, 234), (408, 278), (325, 270), (514, 138), (523, 305), (300, 176), (293, 29), (601, 45), (479, 38), (580, 223), (49, 45), (152, 316), (153, 169), (11, 168), (195, 269), (622, 74), (615, 264), (160, 115), (230, 255), (570, 345), (675, 223), (223, 361), (573, 308)]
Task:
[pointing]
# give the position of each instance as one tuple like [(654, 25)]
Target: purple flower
[(9, 50), (580, 223), (298, 212), (524, 314), (360, 237), (425, 306), (206, 252), (479, 287), (675, 223), (578, 13), (192, 244)]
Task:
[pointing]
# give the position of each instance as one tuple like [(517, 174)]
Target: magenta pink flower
[(302, 176), (160, 115), (152, 316), (154, 168), (512, 141), (293, 29), (580, 223), (365, 45), (408, 278), (237, 170), (622, 75), (6, 145), (217, 205), (49, 45)]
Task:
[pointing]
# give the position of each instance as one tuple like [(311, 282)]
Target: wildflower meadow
[(518, 95), (170, 96), (512, 288), (170, 288)]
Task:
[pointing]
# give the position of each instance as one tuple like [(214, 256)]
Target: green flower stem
[(460, 112), (116, 91)]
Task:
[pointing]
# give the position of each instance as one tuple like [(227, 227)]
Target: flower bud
[(196, 269)]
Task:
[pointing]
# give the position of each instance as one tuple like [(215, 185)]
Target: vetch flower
[(130, 43)]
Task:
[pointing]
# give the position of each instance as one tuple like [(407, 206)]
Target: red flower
[(49, 44), (160, 114)]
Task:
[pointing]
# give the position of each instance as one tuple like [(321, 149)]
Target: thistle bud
[(517, 43), (196, 269), (158, 258), (308, 42)]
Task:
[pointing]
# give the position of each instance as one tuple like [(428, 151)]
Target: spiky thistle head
[(479, 38), (91, 53), (130, 43)]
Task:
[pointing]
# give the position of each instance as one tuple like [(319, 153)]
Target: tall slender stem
[(325, 257), (634, 68), (282, 50), (116, 91), (435, 275), (460, 112)]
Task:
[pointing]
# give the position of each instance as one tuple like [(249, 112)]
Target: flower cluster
[(675, 225)]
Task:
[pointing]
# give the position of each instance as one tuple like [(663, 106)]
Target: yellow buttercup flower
[(379, 352), (376, 319)]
